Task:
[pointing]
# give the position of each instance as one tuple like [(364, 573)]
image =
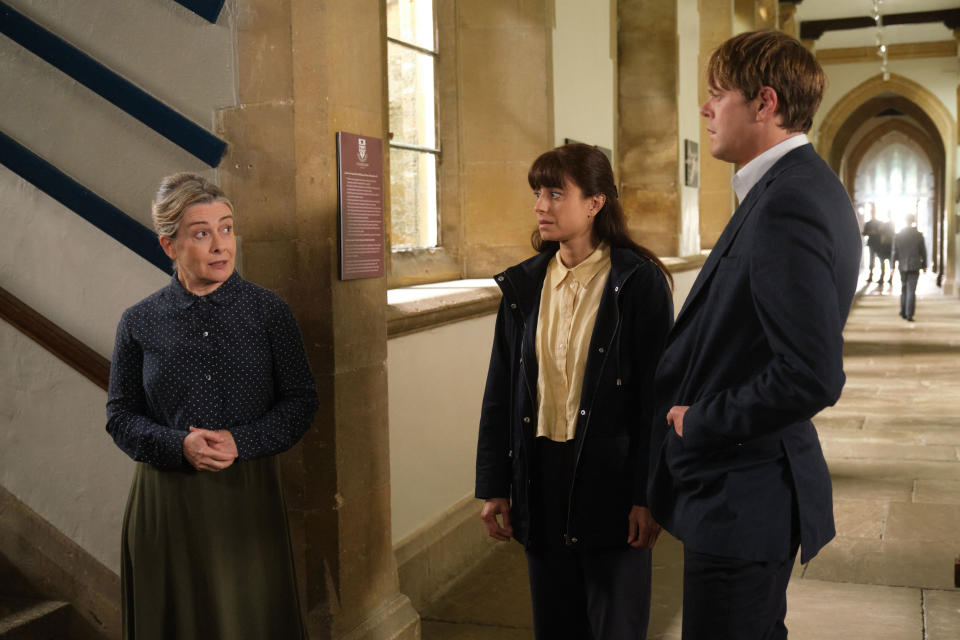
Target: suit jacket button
[(601, 349), (526, 418), (583, 412)]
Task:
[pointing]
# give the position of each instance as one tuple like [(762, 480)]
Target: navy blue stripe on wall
[(111, 86), (209, 10), (82, 201)]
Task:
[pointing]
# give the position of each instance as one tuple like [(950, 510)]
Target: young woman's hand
[(644, 530), (491, 509)]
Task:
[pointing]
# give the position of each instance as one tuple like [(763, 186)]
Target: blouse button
[(206, 333), (526, 419), (208, 376), (583, 412)]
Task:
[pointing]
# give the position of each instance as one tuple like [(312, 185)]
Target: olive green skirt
[(207, 555)]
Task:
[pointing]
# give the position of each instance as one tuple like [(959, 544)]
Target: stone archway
[(862, 103), (857, 151)]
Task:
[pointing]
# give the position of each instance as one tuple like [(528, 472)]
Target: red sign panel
[(360, 186)]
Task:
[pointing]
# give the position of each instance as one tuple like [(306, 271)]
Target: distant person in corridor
[(910, 253), (565, 422), (874, 231), (738, 473)]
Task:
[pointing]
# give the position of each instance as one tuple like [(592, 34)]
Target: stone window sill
[(421, 307), (425, 306)]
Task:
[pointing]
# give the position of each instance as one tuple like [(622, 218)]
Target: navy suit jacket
[(756, 351)]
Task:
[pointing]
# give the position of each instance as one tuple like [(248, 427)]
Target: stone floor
[(893, 445)]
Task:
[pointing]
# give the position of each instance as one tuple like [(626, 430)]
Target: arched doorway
[(894, 169), (854, 125)]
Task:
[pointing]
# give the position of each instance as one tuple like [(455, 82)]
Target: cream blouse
[(568, 309)]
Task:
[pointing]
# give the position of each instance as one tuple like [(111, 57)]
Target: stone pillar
[(647, 132), (716, 194), (505, 110), (788, 18), (765, 14), (307, 69), (744, 15)]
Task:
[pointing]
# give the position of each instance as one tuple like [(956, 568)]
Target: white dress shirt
[(750, 174)]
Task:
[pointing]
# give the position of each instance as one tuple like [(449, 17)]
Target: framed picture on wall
[(691, 151)]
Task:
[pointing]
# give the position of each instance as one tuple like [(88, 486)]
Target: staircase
[(98, 101)]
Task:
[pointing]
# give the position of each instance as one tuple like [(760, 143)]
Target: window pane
[(412, 115), (411, 21), (413, 199)]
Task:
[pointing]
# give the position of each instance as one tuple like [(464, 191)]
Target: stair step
[(22, 619)]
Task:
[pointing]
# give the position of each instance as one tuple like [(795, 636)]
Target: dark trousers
[(882, 256), (908, 293), (733, 599), (579, 594), (590, 595)]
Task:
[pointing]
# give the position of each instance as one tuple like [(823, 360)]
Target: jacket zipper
[(568, 540)]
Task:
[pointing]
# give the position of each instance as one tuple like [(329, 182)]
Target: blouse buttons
[(208, 377), (583, 412), (206, 333)]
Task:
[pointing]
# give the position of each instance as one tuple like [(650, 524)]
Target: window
[(414, 147)]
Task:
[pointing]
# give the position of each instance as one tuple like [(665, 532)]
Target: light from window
[(411, 62)]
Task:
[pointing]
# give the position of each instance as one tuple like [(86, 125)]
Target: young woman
[(564, 434)]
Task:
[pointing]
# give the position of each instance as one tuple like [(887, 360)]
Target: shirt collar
[(750, 174), (584, 272), (222, 295)]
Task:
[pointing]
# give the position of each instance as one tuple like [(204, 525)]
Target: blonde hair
[(178, 192)]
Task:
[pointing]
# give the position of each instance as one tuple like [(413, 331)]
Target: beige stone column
[(505, 111), (307, 69), (716, 194), (647, 133), (744, 15), (766, 14), (788, 18)]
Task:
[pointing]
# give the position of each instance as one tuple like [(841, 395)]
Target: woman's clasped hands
[(208, 450)]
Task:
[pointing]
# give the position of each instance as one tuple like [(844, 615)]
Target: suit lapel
[(796, 156), (718, 251)]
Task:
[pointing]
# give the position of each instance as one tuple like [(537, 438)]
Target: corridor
[(893, 445)]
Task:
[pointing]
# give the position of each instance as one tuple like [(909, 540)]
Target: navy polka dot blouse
[(232, 359)]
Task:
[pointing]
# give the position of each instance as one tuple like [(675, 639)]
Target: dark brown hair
[(756, 59), (589, 169)]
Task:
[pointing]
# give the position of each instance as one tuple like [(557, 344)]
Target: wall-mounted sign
[(360, 187)]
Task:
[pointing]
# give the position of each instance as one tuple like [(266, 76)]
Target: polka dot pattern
[(232, 359)]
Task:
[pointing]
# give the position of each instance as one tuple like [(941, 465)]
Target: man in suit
[(737, 472), (873, 230), (910, 253)]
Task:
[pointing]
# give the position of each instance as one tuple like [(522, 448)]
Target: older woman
[(209, 382)]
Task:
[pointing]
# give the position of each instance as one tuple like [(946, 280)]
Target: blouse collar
[(584, 272), (222, 295)]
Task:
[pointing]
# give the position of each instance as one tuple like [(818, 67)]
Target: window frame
[(437, 151)]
